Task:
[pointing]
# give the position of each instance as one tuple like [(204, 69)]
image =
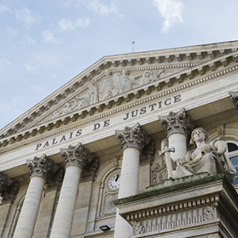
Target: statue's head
[(201, 130)]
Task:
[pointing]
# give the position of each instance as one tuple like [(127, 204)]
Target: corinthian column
[(39, 168), (133, 141), (178, 127), (76, 158)]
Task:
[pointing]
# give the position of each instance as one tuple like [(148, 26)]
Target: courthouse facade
[(99, 156)]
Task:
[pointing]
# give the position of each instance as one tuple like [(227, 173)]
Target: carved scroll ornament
[(133, 137), (77, 155)]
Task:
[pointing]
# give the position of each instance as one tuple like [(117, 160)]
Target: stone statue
[(207, 157)]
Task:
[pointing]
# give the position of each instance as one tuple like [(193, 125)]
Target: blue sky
[(44, 44)]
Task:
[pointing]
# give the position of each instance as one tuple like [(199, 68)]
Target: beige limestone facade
[(109, 154)]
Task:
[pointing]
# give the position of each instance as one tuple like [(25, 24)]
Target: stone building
[(106, 155)]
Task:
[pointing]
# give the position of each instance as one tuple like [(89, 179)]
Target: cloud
[(3, 63), (69, 25), (30, 68), (29, 40), (12, 33), (83, 22), (37, 89), (4, 8), (171, 11), (101, 8), (48, 37), (27, 17)]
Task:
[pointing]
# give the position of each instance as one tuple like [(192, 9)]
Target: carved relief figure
[(108, 86), (125, 83), (67, 108), (146, 77), (91, 96), (207, 157)]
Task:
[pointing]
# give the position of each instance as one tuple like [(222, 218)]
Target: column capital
[(133, 137), (77, 155), (177, 123), (234, 98), (8, 187), (40, 166)]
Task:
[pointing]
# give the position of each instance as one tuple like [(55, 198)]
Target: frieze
[(109, 122)]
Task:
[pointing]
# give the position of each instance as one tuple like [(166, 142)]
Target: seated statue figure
[(207, 157)]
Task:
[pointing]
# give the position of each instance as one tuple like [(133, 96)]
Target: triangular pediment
[(113, 78)]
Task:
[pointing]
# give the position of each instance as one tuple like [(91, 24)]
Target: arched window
[(232, 153)]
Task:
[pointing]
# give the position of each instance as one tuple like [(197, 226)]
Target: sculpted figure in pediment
[(67, 108), (108, 86), (124, 81), (90, 97), (146, 77), (206, 157)]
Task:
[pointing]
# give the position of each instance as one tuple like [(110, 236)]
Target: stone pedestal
[(201, 206), (133, 140)]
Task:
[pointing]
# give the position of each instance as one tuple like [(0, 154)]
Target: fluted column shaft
[(39, 168), (177, 126), (76, 157), (66, 205), (133, 140)]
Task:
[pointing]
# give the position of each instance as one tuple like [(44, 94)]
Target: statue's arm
[(219, 147)]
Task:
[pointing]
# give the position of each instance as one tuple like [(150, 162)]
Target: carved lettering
[(160, 104), (38, 146), (54, 142), (134, 113), (177, 98), (70, 135), (127, 116), (106, 123), (152, 107), (63, 138), (142, 110), (46, 144), (167, 102), (78, 132), (96, 126)]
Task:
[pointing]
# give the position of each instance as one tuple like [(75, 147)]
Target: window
[(233, 156)]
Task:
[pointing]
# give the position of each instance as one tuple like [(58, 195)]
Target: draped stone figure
[(207, 157)]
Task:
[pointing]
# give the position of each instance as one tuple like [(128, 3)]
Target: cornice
[(161, 57), (152, 92), (170, 84)]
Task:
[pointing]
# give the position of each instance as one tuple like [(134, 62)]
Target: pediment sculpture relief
[(207, 157), (108, 85)]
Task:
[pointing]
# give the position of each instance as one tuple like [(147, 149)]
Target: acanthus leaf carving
[(41, 166), (77, 155), (133, 137), (8, 187)]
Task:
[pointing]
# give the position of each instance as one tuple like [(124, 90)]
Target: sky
[(44, 44)]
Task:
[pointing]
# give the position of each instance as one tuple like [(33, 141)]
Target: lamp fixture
[(105, 228)]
